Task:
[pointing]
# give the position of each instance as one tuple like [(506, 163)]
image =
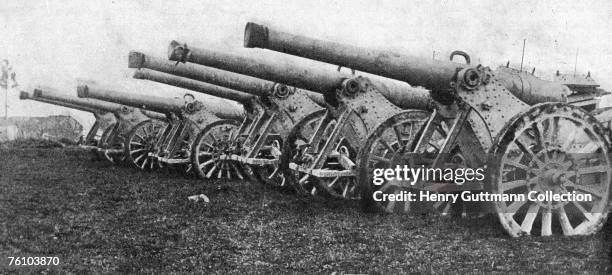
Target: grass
[(97, 217)]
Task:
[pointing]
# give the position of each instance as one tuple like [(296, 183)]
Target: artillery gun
[(585, 90), (110, 144), (172, 144), (586, 93), (212, 146), (320, 152), (103, 119), (531, 139), (142, 143), (271, 110)]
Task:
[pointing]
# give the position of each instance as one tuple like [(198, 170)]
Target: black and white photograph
[(305, 137)]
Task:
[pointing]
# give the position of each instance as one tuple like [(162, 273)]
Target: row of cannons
[(324, 132)]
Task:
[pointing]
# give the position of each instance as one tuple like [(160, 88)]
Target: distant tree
[(7, 81), (8, 75)]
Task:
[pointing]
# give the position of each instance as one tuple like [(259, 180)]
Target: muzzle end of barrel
[(82, 90), (177, 52), (136, 60), (37, 92), (255, 35), (24, 95)]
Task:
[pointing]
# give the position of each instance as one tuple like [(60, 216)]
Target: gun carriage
[(271, 110), (320, 152), (111, 142), (329, 131), (211, 148), (171, 144), (103, 119), (520, 128)]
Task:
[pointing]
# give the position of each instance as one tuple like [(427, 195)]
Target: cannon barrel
[(431, 74), (52, 94), (296, 74), (531, 89), (157, 104), (290, 74), (213, 75), (154, 115), (154, 103), (23, 95), (416, 71), (193, 85)]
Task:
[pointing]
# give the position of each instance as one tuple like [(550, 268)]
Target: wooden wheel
[(210, 149), (111, 141), (270, 174), (388, 146), (445, 208), (178, 155), (302, 148), (141, 143), (295, 151), (341, 187), (101, 141), (551, 148)]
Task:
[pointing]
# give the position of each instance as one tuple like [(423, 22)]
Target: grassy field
[(102, 218)]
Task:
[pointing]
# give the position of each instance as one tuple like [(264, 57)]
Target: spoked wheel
[(107, 143), (141, 142), (550, 150), (296, 152), (211, 149), (270, 174), (101, 141), (388, 146), (179, 157), (446, 208), (340, 186), (303, 147), (460, 208)]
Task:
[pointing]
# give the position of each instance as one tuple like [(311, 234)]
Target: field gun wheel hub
[(553, 177)]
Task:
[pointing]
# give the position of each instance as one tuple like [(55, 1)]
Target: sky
[(54, 42)]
